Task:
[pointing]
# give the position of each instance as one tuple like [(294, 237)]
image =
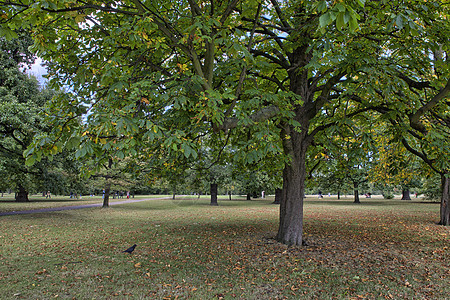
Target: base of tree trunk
[(406, 195), (22, 195), (21, 199), (278, 195)]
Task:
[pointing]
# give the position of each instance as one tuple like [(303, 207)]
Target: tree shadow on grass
[(367, 202)]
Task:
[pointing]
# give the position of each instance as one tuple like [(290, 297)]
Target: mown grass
[(188, 249)]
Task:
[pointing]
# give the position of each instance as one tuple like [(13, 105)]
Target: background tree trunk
[(106, 197), (278, 196), (445, 205), (356, 192), (406, 194), (213, 191), (22, 195), (249, 197)]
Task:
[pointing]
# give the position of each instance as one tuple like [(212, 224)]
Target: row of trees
[(270, 84)]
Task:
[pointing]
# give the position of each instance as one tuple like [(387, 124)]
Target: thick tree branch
[(261, 115), (422, 155), (420, 85), (414, 119)]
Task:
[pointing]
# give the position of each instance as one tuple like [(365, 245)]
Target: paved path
[(44, 210)]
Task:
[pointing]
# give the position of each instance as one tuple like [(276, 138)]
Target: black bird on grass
[(131, 249)]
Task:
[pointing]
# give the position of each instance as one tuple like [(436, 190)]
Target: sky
[(38, 70)]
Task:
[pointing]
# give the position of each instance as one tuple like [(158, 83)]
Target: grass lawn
[(187, 249)]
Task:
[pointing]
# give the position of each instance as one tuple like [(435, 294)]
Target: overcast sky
[(38, 71)]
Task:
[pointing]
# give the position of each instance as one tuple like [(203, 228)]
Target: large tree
[(166, 73), (21, 100)]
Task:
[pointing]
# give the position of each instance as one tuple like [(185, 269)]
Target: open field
[(187, 249)]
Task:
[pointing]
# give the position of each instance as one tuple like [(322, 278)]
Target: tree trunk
[(356, 192), (445, 205), (339, 195), (249, 197), (278, 196), (290, 229), (229, 195), (213, 191), (406, 194), (106, 195), (22, 195)]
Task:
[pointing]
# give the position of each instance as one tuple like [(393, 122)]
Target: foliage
[(21, 102)]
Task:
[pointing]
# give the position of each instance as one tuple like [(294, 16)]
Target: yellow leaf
[(138, 265)]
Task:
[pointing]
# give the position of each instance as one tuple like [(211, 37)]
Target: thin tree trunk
[(249, 197), (106, 196), (213, 191), (356, 192), (339, 195), (445, 200), (406, 194), (22, 195)]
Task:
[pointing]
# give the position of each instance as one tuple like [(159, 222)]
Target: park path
[(51, 209)]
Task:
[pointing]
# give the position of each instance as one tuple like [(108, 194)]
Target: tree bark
[(445, 205), (356, 192), (406, 194), (278, 196), (249, 197), (22, 195), (106, 196), (339, 195), (213, 191), (290, 229)]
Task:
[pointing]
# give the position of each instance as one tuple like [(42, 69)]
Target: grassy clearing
[(188, 249)]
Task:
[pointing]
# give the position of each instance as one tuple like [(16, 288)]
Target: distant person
[(320, 194), (49, 195)]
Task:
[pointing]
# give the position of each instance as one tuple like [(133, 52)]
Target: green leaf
[(30, 161), (325, 20), (361, 2), (322, 6), (399, 21), (340, 21), (353, 24)]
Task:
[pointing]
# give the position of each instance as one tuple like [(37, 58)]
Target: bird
[(131, 249)]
